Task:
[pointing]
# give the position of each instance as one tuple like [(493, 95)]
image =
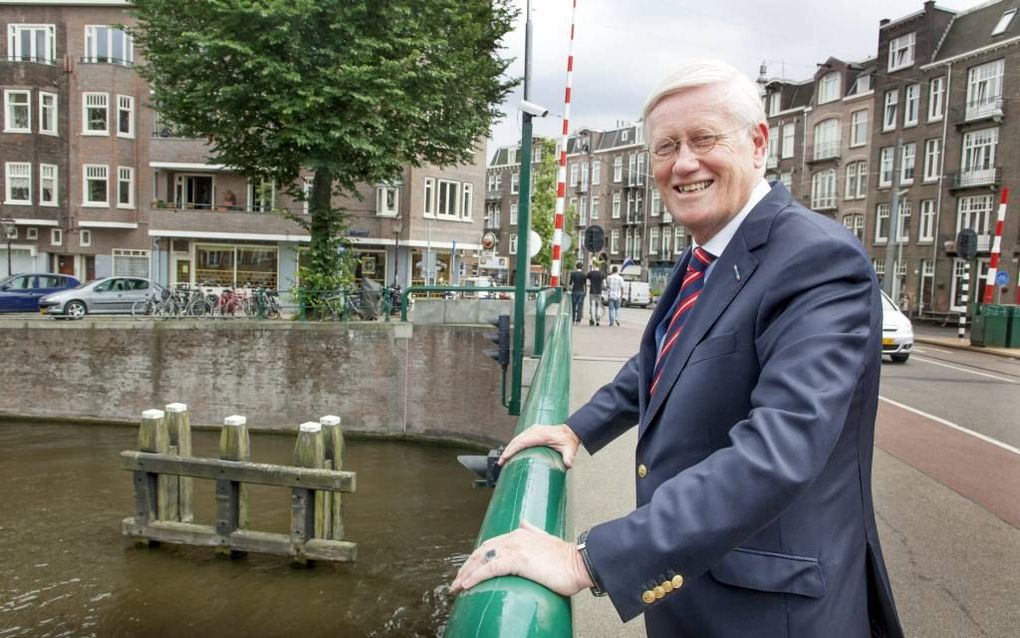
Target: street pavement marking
[(929, 348), (986, 439), (958, 368)]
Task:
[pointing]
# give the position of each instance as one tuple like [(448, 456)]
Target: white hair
[(742, 100)]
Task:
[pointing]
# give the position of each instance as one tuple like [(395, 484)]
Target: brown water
[(65, 569)]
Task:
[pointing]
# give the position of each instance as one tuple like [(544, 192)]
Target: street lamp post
[(8, 226)]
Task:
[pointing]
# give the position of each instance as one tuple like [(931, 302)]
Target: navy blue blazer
[(754, 511)]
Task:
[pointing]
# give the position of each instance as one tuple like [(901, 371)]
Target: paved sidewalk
[(947, 337), (952, 561)]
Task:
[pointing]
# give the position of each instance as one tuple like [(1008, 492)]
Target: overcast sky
[(622, 48)]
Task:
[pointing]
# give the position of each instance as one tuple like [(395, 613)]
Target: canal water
[(66, 570)]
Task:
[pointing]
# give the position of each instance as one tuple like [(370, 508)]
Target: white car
[(897, 333)]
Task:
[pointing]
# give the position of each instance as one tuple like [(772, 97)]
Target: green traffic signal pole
[(523, 263)]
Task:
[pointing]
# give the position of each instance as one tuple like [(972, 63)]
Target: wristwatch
[(582, 548)]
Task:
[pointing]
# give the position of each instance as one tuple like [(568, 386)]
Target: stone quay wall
[(386, 379)]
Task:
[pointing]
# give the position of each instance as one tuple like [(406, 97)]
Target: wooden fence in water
[(164, 471)]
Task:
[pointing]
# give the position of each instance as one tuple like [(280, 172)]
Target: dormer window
[(774, 102), (1004, 22), (828, 88), (901, 52), (861, 85)]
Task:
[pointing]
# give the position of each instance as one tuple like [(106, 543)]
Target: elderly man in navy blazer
[(754, 392)]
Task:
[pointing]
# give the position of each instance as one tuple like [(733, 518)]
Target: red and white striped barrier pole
[(993, 266), (561, 177)]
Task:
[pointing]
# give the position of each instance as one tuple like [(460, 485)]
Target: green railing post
[(532, 487)]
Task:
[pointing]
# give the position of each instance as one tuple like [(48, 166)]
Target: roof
[(972, 29)]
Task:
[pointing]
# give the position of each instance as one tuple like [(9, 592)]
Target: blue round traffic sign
[(1002, 278)]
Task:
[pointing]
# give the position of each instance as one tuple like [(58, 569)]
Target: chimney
[(883, 22)]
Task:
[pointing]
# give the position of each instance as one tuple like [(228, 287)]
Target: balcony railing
[(772, 162), (826, 150), (493, 195), (222, 207), (985, 108), (975, 177), (984, 244), (824, 202), (106, 60), (29, 58)]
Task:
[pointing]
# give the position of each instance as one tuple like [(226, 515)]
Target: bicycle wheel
[(200, 307), (142, 309)]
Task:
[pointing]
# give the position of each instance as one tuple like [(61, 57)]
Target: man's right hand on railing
[(559, 437)]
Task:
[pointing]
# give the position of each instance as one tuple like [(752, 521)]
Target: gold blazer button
[(642, 471)]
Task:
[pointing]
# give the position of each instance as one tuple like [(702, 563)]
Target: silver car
[(897, 332), (110, 295)]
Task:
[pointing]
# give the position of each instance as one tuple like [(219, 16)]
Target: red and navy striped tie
[(690, 290)]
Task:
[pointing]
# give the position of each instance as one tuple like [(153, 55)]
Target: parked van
[(477, 282)]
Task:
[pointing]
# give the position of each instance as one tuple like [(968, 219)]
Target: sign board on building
[(966, 244), (594, 239)]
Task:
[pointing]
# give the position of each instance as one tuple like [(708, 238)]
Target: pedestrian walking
[(577, 286), (614, 293), (595, 280)]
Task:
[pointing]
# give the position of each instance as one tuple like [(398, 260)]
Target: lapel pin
[(736, 272)]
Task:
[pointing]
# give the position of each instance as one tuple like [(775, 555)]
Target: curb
[(1013, 353)]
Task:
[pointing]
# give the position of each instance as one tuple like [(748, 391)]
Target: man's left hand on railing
[(528, 552)]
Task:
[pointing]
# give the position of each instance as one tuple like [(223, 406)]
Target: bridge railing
[(533, 487)]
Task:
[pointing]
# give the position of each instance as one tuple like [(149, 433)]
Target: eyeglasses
[(700, 143)]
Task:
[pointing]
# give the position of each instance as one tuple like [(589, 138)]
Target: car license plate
[(887, 341), (42, 311)]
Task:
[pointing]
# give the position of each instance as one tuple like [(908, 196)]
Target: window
[(859, 128), (105, 44), (974, 212), (582, 210), (84, 237), (32, 43), (891, 99), (666, 237), (879, 266), (984, 90), (135, 263), (17, 113), (492, 182), (885, 162), (936, 97), (908, 155), (125, 116), (584, 176), (901, 52), (828, 88), (47, 185), (827, 139), (511, 155), (678, 240), (855, 223), (653, 241), (448, 199), (48, 113), (467, 205), (96, 113), (926, 231), (861, 85), (656, 203), (614, 242), (856, 179), (125, 187), (573, 175), (1004, 21), (775, 100), (594, 207), (641, 169), (904, 220), (429, 205), (773, 143), (789, 130), (95, 191), (881, 223), (632, 170), (513, 243), (513, 214), (932, 166), (261, 194), (823, 189), (596, 172), (536, 154), (19, 183), (56, 237), (616, 205), (786, 179), (31, 233), (515, 183), (979, 152), (911, 104), (386, 200), (618, 168)]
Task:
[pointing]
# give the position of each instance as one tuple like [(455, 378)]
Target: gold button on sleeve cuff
[(667, 586), (678, 581), (648, 597), (659, 592)]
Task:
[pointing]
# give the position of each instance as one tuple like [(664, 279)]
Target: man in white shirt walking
[(614, 288)]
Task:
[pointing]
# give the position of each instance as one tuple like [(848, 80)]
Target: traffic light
[(502, 339)]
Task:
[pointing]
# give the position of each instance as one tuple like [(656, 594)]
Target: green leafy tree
[(543, 207), (351, 90)]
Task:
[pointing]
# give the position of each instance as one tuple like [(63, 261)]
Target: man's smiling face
[(705, 191)]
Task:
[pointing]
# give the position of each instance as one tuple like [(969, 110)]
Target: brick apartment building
[(98, 185)]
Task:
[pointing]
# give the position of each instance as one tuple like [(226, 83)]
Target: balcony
[(493, 195), (633, 218), (825, 151), (106, 60), (975, 177), (984, 244), (582, 188), (29, 58), (983, 109), (772, 162)]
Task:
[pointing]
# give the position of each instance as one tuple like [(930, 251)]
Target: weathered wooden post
[(150, 495), (307, 506), (232, 500), (182, 487), (333, 437)]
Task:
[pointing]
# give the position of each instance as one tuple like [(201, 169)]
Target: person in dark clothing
[(577, 285), (595, 279)]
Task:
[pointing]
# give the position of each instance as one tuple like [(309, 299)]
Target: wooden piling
[(333, 437), (179, 428), (150, 492), (232, 498), (308, 514)]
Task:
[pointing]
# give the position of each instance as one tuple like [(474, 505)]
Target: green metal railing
[(532, 486)]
